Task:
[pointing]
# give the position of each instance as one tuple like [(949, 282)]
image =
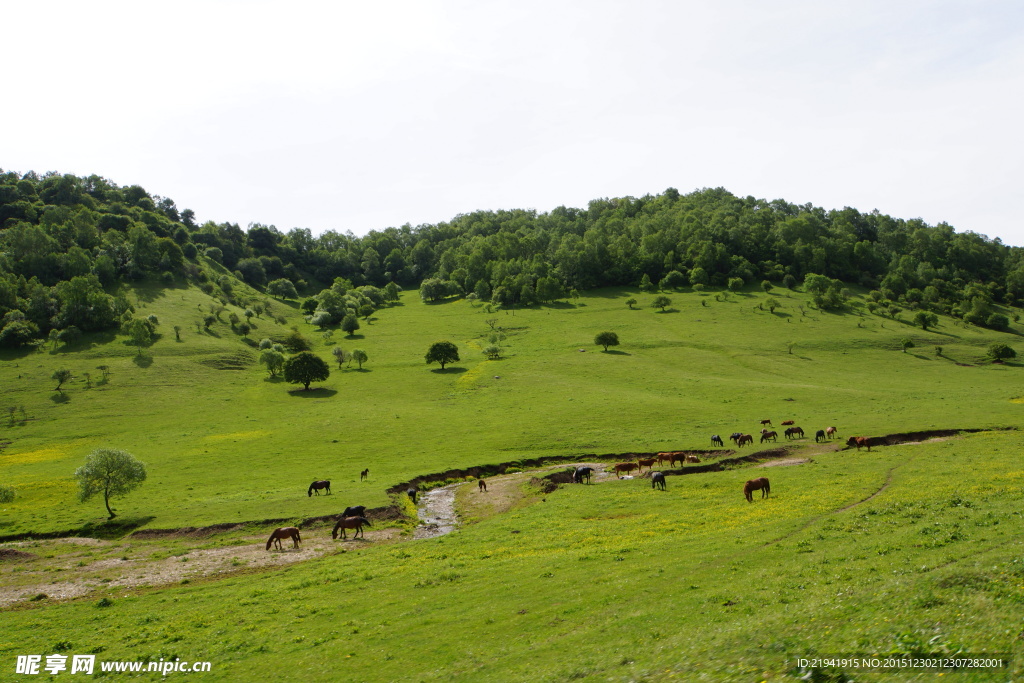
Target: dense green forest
[(67, 242)]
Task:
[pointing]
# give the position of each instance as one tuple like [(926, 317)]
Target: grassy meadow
[(612, 581)]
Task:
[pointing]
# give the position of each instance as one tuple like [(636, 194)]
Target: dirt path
[(436, 510)]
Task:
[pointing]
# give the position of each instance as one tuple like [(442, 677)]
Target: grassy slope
[(225, 445)]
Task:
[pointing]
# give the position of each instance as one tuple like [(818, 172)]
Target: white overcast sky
[(359, 116)]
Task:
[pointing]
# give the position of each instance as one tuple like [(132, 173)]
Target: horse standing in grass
[(768, 436), (356, 523), (766, 422), (284, 532), (412, 494), (317, 485), (582, 472), (744, 440), (819, 436), (735, 436), (831, 432), (716, 440), (859, 441), (481, 486), (364, 474), (354, 511), (658, 480), (754, 485)]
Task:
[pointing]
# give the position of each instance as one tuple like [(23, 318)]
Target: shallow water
[(436, 510)]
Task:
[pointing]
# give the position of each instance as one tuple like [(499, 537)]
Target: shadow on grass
[(353, 337), (108, 530), (448, 371), (668, 310), (319, 392), (614, 352), (60, 397), (143, 361)]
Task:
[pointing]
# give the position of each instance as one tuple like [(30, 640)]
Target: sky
[(360, 116)]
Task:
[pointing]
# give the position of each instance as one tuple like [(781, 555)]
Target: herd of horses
[(354, 517)]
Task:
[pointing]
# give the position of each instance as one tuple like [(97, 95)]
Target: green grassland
[(614, 581)]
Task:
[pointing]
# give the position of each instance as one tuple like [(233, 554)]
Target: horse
[(819, 436), (768, 436), (364, 474), (831, 431), (788, 422), (766, 422), (356, 523), (735, 436), (791, 432), (716, 440), (658, 480), (692, 458), (354, 511), (411, 492), (284, 532), (664, 457), (755, 484), (745, 439), (859, 441), (481, 486), (621, 467), (646, 462), (679, 457), (582, 472), (317, 485)]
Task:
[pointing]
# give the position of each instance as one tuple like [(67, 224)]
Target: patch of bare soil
[(786, 462), (10, 554)]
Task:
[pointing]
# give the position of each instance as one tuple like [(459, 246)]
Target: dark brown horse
[(317, 485), (677, 456), (766, 422), (744, 440), (354, 511), (859, 441), (356, 523), (755, 484), (364, 474), (768, 436), (793, 432), (284, 532), (481, 486)]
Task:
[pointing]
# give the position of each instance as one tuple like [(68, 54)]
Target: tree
[(772, 303), (274, 360), (789, 281), (631, 303), (177, 332), (442, 352), (245, 329), (997, 321), (645, 283), (1000, 351), (906, 343), (735, 284), (661, 302), (305, 367), (493, 352), (7, 494), (766, 286), (282, 288), (359, 356), (350, 324), (606, 339), (62, 375), (673, 280), (924, 319), (140, 332), (109, 471), (339, 355)]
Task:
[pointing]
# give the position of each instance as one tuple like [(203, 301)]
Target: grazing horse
[(766, 422), (621, 467), (769, 436), (646, 462), (859, 441), (744, 440), (658, 480), (284, 532), (356, 523), (481, 486), (354, 511), (755, 484), (317, 485), (788, 422), (693, 459), (364, 474), (791, 432), (819, 436), (831, 432), (735, 436), (412, 494), (716, 440), (582, 472)]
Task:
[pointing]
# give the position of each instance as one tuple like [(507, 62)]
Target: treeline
[(66, 242)]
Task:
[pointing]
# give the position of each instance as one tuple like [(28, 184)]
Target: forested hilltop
[(67, 242)]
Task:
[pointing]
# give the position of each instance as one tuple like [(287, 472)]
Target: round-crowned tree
[(606, 339), (661, 302), (111, 472), (305, 367), (1000, 351), (442, 352)]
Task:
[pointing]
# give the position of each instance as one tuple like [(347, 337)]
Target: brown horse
[(692, 459), (755, 484), (664, 457), (677, 457), (792, 432), (356, 523), (788, 422), (831, 431), (645, 462), (481, 486), (317, 485), (768, 436), (859, 441), (766, 422), (284, 532), (364, 474), (744, 440), (621, 467)]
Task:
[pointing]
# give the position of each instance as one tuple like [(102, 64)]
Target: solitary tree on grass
[(339, 355), (772, 303), (140, 332), (606, 339), (359, 356), (109, 471), (62, 375), (661, 302), (924, 319), (305, 367), (631, 303), (274, 360), (1001, 351), (906, 343), (350, 324), (442, 352), (7, 494)]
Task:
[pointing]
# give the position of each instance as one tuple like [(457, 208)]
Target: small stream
[(436, 510)]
